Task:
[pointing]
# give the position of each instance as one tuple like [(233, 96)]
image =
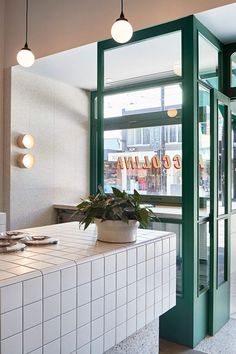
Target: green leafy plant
[(116, 206)]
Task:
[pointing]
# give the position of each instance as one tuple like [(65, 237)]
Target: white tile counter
[(83, 296)]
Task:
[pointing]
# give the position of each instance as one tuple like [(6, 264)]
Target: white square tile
[(11, 297), (12, 345), (173, 286), (121, 333), (98, 268), (97, 346), (121, 297), (51, 284), (110, 264), (165, 304), (141, 254), (141, 320), (150, 251), (32, 339), (172, 258), (121, 279), (141, 303), (172, 300), (84, 273), (53, 347), (110, 321), (131, 257), (150, 314), (158, 248), (121, 315), (173, 243), (150, 282), (132, 292), (150, 298), (51, 307), (32, 314), (158, 279), (141, 287), (84, 350), (68, 300), (68, 322), (68, 278), (132, 272), (110, 283), (166, 260), (158, 309), (131, 326), (11, 323), (141, 270), (109, 339), (84, 294), (158, 294), (165, 275), (150, 266), (51, 330), (97, 288), (121, 260), (166, 290), (97, 308), (173, 272), (68, 343), (83, 335), (131, 309), (97, 327), (83, 315), (166, 245), (110, 302), (158, 264), (32, 290)]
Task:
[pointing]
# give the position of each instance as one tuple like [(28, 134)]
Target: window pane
[(221, 158), (204, 150), (204, 256), (233, 107), (233, 70), (150, 59), (146, 159), (221, 251), (156, 99), (208, 62)]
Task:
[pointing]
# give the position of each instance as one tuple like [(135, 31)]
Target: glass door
[(220, 197)]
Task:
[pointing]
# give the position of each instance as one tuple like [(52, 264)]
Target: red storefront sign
[(155, 162)]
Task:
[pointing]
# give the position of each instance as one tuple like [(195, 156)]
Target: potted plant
[(117, 216)]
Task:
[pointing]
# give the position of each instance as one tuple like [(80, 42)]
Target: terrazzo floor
[(224, 342)]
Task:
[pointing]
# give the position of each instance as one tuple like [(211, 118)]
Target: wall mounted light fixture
[(25, 141), (25, 161), (25, 56), (172, 113), (121, 29)]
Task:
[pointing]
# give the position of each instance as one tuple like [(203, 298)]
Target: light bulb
[(25, 160), (25, 141), (121, 30), (25, 57)]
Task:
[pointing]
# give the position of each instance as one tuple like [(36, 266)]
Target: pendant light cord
[(26, 23), (122, 9)]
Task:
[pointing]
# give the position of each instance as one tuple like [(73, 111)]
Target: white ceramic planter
[(116, 231)]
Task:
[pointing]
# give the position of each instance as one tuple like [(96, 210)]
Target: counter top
[(75, 245)]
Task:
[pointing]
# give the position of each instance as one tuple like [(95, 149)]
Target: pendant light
[(25, 56), (121, 30)]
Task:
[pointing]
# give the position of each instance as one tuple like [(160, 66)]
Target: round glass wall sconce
[(172, 113), (25, 161), (25, 141)]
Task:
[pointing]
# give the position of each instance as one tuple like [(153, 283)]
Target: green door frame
[(191, 305), (219, 295)]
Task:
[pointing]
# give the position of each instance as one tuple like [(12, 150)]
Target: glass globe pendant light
[(25, 56), (121, 29)]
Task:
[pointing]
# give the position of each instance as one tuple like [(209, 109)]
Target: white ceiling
[(78, 67)]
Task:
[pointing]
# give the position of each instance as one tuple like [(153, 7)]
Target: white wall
[(56, 115)]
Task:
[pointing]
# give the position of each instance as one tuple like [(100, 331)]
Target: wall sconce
[(25, 141), (25, 161), (172, 113)]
